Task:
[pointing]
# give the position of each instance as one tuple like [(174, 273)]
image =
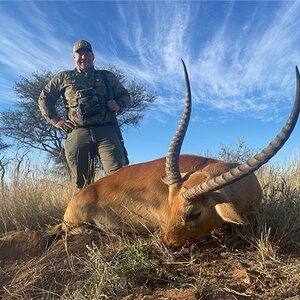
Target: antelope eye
[(188, 217)]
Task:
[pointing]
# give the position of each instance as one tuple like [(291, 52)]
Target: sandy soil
[(38, 265)]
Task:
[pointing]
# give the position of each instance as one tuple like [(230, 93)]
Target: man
[(92, 98)]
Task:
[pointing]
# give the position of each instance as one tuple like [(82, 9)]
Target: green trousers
[(82, 146)]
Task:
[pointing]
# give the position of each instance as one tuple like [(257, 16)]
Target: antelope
[(186, 196)]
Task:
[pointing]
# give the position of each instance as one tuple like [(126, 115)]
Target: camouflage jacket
[(85, 96)]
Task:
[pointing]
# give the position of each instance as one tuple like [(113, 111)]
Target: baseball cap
[(82, 44)]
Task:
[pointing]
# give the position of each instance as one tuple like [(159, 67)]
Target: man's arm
[(120, 94), (48, 99), (47, 104)]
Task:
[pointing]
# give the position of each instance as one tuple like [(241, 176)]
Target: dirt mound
[(34, 263), (23, 245)]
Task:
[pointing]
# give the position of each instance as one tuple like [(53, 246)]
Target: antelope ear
[(165, 180), (225, 209)]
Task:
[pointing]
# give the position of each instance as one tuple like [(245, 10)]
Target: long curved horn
[(172, 159), (255, 162)]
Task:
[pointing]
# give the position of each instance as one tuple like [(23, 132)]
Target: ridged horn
[(255, 162), (172, 158)]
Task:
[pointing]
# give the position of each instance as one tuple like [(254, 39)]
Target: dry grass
[(32, 199), (256, 261), (279, 214)]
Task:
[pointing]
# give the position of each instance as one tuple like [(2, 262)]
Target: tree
[(3, 162), (239, 153), (27, 126), (140, 100)]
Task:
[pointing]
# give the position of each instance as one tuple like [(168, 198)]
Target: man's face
[(83, 59)]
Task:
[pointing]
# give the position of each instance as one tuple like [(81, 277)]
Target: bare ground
[(37, 265)]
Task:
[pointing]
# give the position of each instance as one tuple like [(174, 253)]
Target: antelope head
[(202, 200)]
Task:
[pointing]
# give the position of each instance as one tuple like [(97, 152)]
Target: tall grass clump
[(279, 214), (31, 198)]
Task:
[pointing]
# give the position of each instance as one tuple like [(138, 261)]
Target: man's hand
[(113, 105), (65, 125)]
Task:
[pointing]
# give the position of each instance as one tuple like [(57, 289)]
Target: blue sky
[(240, 55)]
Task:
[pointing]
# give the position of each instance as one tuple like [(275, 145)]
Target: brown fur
[(136, 199)]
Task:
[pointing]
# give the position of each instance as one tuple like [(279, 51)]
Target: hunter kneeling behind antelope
[(187, 196)]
